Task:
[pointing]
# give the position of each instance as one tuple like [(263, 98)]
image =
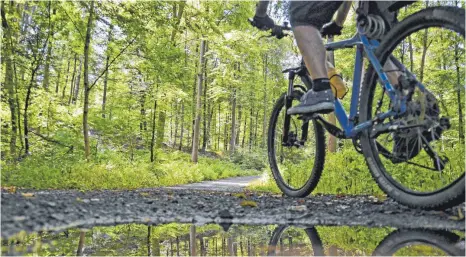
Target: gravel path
[(235, 184), (60, 209)]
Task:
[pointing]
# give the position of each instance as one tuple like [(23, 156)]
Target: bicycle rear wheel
[(297, 164), (421, 166), (296, 242)]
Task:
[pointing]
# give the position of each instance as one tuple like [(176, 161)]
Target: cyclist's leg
[(307, 19)]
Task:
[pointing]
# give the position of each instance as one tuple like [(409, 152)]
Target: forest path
[(235, 184), (56, 210)]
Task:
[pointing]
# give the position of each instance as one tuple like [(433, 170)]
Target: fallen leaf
[(10, 189), (27, 194), (144, 194), (240, 195), (246, 203)]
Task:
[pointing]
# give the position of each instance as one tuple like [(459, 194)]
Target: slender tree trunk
[(251, 131), (460, 87), (411, 54), (195, 149), (46, 81), (72, 80), (182, 126), (425, 46), (204, 121), (244, 131), (238, 133), (104, 97), (233, 122), (264, 122), (192, 241), (82, 239), (87, 150), (161, 128), (177, 115), (219, 125), (66, 80), (78, 81), (152, 141)]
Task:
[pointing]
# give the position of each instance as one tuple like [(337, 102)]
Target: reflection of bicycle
[(398, 127), (405, 242), (440, 242), (274, 249)]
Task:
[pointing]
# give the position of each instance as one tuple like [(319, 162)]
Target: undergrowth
[(114, 170)]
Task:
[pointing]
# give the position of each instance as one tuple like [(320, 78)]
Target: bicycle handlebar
[(277, 31)]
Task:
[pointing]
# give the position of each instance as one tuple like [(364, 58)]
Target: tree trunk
[(264, 122), (238, 133), (152, 141), (104, 97), (72, 80), (458, 96), (176, 123), (78, 81), (87, 150), (82, 238), (195, 149), (251, 131), (233, 122), (66, 80), (192, 241), (218, 124), (9, 82), (161, 128), (182, 126), (204, 120)]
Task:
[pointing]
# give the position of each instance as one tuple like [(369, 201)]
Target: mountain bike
[(398, 127)]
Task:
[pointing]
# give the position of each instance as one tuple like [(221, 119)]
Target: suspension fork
[(288, 100)]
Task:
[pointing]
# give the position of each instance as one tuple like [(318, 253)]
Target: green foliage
[(113, 170)]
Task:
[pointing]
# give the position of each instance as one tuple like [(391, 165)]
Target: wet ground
[(151, 220)]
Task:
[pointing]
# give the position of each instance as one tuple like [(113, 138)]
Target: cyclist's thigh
[(313, 13)]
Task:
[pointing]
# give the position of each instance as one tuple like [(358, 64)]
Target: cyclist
[(307, 19)]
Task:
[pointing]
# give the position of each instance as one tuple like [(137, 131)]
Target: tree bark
[(195, 149), (87, 150)]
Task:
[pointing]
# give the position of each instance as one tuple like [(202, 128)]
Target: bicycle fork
[(286, 126)]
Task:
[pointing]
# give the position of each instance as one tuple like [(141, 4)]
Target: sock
[(321, 84)]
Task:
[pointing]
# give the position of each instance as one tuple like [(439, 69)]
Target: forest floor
[(55, 210)]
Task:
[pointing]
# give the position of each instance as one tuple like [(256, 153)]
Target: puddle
[(175, 239)]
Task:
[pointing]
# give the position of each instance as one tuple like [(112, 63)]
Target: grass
[(113, 170)]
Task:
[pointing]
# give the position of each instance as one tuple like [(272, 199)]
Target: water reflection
[(240, 240)]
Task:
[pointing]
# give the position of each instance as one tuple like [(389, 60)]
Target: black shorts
[(314, 13)]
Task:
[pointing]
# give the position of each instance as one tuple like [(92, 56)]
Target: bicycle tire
[(312, 234), (451, 195), (318, 166), (444, 240)]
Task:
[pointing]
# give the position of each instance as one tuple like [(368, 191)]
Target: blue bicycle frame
[(364, 45)]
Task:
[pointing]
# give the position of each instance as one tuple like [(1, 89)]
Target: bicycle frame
[(349, 123)]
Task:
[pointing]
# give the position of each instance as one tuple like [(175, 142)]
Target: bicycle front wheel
[(297, 163), (420, 164)]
